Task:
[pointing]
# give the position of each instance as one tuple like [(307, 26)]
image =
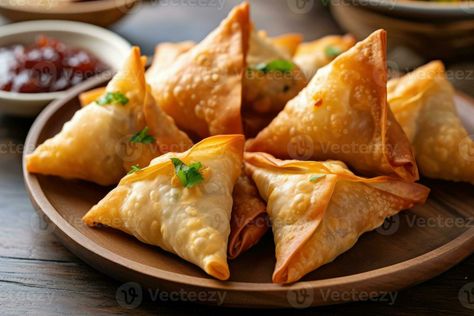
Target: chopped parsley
[(112, 98), (315, 178), (134, 169), (280, 65), (332, 51), (142, 137), (189, 176)]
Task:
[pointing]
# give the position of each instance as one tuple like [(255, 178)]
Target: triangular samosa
[(271, 80), (181, 202), (249, 220), (287, 43), (104, 139), (202, 89), (318, 210), (423, 103), (343, 114), (311, 56)]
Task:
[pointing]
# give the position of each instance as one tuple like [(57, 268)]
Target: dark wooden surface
[(39, 276)]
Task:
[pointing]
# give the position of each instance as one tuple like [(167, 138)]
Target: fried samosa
[(202, 89), (272, 79), (165, 55), (181, 202), (318, 210), (249, 221), (313, 55), (423, 103), (343, 114), (103, 140), (287, 43)]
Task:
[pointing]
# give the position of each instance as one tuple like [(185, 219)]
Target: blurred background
[(418, 31)]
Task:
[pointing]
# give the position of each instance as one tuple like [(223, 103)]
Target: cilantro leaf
[(134, 169), (315, 178), (113, 98), (280, 65), (332, 51), (142, 137), (189, 176)]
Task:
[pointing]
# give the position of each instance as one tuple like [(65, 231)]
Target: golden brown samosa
[(165, 55), (202, 89), (288, 43), (271, 80), (318, 210), (181, 202), (343, 114), (423, 103), (313, 55), (249, 220), (103, 140)]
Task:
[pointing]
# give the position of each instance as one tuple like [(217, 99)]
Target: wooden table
[(39, 276)]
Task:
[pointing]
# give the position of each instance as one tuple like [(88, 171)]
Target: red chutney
[(45, 66)]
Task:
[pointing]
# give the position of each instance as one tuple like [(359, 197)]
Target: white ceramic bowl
[(99, 12), (106, 45), (428, 29)]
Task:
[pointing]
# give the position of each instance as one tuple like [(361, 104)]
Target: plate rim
[(438, 260)]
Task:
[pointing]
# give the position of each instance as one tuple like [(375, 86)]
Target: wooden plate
[(414, 246)]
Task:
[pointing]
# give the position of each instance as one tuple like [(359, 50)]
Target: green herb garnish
[(315, 178), (143, 137), (134, 169), (332, 51), (280, 65), (189, 176), (112, 98)]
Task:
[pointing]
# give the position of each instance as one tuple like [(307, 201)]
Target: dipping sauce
[(45, 66)]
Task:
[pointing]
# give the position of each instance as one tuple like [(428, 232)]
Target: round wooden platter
[(414, 246)]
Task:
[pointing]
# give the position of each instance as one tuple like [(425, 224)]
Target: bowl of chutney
[(41, 60)]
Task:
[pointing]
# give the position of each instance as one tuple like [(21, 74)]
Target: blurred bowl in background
[(431, 30), (109, 47), (98, 12)]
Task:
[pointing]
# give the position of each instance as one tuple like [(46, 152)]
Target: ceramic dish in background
[(98, 12), (432, 30), (105, 45)]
